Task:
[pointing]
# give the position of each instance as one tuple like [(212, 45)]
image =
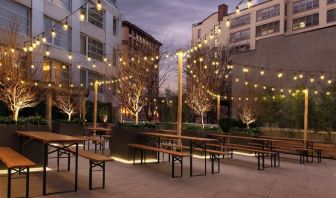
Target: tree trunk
[(69, 117), (15, 114), (202, 120), (248, 125), (137, 118)]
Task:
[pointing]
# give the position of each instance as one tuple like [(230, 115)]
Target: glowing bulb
[(44, 39), (227, 22), (329, 81), (65, 26), (262, 72), (322, 77), (82, 15), (25, 49), (249, 4), (47, 52), (300, 76), (237, 10), (312, 80), (70, 56), (53, 32), (280, 74), (245, 70), (105, 59), (99, 6)]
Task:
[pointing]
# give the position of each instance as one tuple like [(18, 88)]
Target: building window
[(240, 36), (240, 21), (331, 15), (88, 78), (199, 32), (65, 4), (13, 15), (306, 21), (91, 47), (331, 1), (268, 28), (62, 38), (303, 5), (96, 17), (240, 48), (55, 71), (268, 13), (115, 26)]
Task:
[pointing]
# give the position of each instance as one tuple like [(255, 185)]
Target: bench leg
[(90, 176), (95, 147), (180, 161), (9, 183), (27, 182), (103, 174), (69, 161)]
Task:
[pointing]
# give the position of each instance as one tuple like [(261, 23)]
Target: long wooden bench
[(15, 163), (214, 154), (297, 148), (95, 160), (260, 154), (177, 157)]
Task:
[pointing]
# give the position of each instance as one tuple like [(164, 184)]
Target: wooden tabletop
[(12, 159), (98, 129), (242, 137), (290, 139), (162, 135), (47, 137)]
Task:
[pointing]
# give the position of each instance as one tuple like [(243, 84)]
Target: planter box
[(33, 150), (72, 129), (122, 136)]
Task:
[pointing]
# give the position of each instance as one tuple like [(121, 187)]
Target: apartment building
[(287, 34), (82, 42), (137, 45)]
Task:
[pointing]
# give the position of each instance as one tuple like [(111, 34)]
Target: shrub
[(227, 123), (74, 121), (244, 131), (34, 120), (140, 125), (198, 127)]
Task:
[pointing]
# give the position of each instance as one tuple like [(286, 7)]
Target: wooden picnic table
[(264, 141), (58, 142), (194, 142), (310, 143), (101, 130)]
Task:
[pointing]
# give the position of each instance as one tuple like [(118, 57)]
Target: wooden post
[(218, 108), (95, 104), (49, 109), (83, 106), (180, 82), (305, 136)]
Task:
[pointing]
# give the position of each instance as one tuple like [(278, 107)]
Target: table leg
[(20, 139), (45, 163), (205, 160), (76, 168), (191, 158)]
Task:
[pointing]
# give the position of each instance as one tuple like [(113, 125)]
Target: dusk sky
[(170, 20)]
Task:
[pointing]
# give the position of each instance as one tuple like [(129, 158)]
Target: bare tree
[(67, 103), (247, 112), (206, 74), (17, 88)]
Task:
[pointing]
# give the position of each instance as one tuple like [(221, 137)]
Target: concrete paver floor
[(239, 178)]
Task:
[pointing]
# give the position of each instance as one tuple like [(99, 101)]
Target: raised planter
[(72, 129), (122, 136), (33, 150)]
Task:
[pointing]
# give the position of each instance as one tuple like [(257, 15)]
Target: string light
[(237, 10), (99, 5), (262, 72), (53, 32), (227, 22), (70, 56), (249, 3), (329, 81), (47, 52), (322, 77), (65, 25), (82, 15), (44, 39), (280, 74)]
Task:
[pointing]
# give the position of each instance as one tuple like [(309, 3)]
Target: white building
[(91, 34), (264, 20)]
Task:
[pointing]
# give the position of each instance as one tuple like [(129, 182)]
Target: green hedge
[(140, 125), (198, 127), (244, 131), (34, 120)]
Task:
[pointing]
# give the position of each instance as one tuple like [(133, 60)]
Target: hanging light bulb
[(249, 3), (329, 81), (280, 74), (205, 41), (301, 75), (211, 36), (245, 70), (70, 56), (99, 6), (44, 39), (262, 72), (295, 77), (312, 80), (34, 44), (89, 59), (25, 49), (65, 25), (82, 14), (53, 32), (30, 48), (237, 10), (322, 77), (37, 41), (219, 29), (227, 22), (47, 52), (105, 60)]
